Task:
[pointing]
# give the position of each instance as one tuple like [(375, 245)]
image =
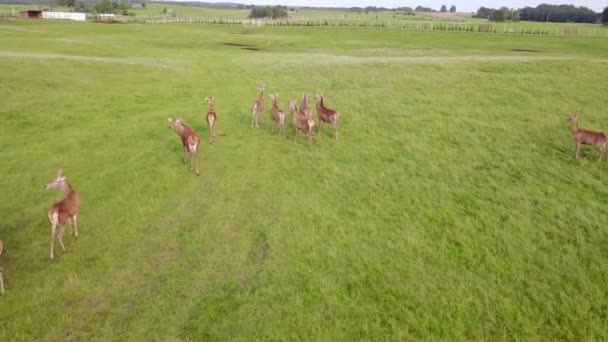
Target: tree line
[(542, 12)]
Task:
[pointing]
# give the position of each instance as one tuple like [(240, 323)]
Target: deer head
[(210, 100), (260, 86), (174, 122), (292, 105), (573, 117), (305, 100), (56, 183)]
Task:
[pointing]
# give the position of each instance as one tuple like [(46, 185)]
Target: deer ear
[(169, 119), (60, 173)]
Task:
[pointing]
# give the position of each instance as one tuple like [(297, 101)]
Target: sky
[(461, 5)]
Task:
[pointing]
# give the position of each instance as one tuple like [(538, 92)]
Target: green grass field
[(450, 209)]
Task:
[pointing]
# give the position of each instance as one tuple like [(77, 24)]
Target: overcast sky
[(461, 5)]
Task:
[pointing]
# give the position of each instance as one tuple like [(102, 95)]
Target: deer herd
[(65, 212)]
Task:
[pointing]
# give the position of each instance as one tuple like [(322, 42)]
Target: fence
[(64, 15), (409, 25)]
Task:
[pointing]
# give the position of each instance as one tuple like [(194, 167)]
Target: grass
[(450, 209)]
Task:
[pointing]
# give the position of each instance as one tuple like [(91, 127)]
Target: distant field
[(450, 209)]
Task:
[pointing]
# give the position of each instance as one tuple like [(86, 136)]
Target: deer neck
[(66, 189), (261, 96), (211, 108), (179, 129), (574, 126)]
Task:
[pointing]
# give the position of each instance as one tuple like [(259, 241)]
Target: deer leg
[(195, 157), (185, 155), (213, 132), (210, 134), (1, 282), (336, 130), (53, 230), (75, 223), (61, 231), (252, 118), (578, 146), (309, 139)]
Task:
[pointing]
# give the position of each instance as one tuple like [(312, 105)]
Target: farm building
[(31, 14)]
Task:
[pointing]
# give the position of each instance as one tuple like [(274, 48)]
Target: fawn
[(580, 136), (277, 114), (64, 211), (257, 107), (326, 115), (211, 118), (302, 123), (190, 142)]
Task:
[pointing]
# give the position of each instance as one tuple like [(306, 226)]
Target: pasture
[(450, 209)]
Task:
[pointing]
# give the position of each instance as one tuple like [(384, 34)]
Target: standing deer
[(211, 118), (306, 110), (190, 142), (64, 211), (581, 136), (326, 115), (302, 123), (277, 114), (257, 107), (1, 270)]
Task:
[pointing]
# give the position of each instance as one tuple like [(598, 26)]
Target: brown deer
[(190, 142), (277, 114), (211, 118), (1, 270), (585, 137), (64, 211), (257, 107), (326, 115), (306, 110), (302, 123)]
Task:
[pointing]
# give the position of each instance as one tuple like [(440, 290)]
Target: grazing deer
[(277, 114), (326, 115), (64, 211), (581, 136), (302, 123), (211, 118), (257, 107), (190, 142), (1, 270)]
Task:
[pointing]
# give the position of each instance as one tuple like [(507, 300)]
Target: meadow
[(450, 209)]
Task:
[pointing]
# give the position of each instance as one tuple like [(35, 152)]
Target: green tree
[(66, 3), (453, 9), (444, 8), (605, 16), (105, 6)]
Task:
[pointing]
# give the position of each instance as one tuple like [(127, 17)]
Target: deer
[(277, 114), (63, 212), (326, 115), (1, 269), (211, 118), (584, 137), (190, 142), (257, 107), (302, 123), (306, 110)]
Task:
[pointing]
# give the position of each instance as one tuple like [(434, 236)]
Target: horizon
[(461, 6)]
